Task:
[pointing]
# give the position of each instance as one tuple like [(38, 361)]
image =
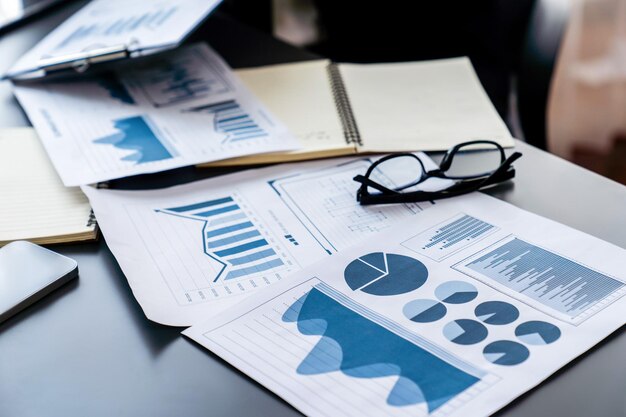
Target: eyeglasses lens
[(399, 173), (474, 161)]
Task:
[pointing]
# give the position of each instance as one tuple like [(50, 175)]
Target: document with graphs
[(191, 250), (455, 312), (178, 109), (114, 29)]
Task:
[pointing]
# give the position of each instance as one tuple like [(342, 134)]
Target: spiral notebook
[(342, 109), (35, 205)]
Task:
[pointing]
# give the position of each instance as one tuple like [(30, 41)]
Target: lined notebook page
[(421, 106), (35, 205), (300, 96)]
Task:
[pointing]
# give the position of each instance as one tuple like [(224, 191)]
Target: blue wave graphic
[(136, 134), (361, 348)]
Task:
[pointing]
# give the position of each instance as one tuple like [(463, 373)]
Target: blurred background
[(554, 69)]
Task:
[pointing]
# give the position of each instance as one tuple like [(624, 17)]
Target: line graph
[(324, 202)]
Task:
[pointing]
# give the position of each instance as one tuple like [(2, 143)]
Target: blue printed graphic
[(448, 237), (459, 232), (361, 348), (496, 312), (506, 353), (424, 310), (385, 274), (456, 292), (230, 237), (136, 133), (465, 332), (116, 89), (538, 333), (552, 280), (233, 121), (180, 78)]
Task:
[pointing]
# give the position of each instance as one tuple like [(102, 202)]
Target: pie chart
[(506, 352), (465, 331), (496, 312), (537, 333), (382, 274), (424, 310), (456, 292)]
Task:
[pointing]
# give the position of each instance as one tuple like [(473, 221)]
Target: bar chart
[(232, 120), (455, 234), (553, 281), (230, 237)]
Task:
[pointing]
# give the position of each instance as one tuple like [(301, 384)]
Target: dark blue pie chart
[(381, 273), (465, 331), (496, 312), (506, 352), (424, 310), (456, 292), (537, 333)]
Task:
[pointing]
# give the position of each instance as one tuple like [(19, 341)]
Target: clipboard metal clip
[(77, 61), (81, 61)]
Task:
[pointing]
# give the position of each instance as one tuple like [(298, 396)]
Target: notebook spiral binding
[(92, 219), (344, 109)]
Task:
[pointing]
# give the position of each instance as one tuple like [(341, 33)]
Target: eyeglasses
[(467, 167)]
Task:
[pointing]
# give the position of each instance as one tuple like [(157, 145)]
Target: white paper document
[(183, 108), (140, 26), (192, 250), (456, 312)]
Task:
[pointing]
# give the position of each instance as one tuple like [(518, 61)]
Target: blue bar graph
[(218, 211), (233, 239), (232, 120), (552, 280), (138, 134), (230, 237), (121, 26), (453, 235)]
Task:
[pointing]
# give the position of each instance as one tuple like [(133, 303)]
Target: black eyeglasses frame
[(463, 184)]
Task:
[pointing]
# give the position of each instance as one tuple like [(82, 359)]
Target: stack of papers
[(183, 108), (456, 312), (192, 250)]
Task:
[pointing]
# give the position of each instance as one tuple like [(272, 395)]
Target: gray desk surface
[(88, 350)]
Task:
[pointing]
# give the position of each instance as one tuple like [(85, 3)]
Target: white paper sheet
[(183, 108), (192, 250), (456, 312), (137, 24)]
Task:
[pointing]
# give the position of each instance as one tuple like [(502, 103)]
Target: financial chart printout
[(195, 249), (180, 108), (138, 25), (435, 317)]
